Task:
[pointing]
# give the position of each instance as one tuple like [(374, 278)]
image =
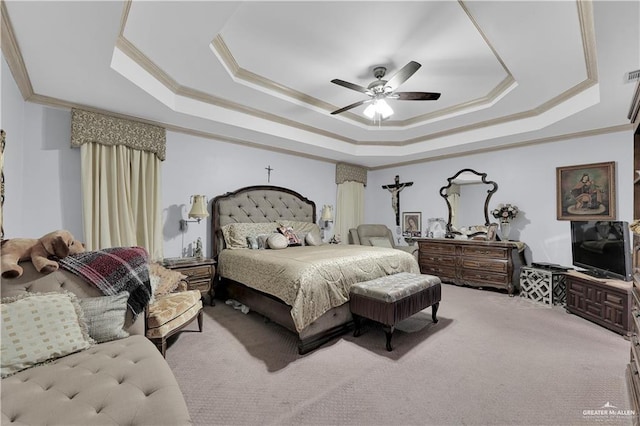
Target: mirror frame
[(483, 179)]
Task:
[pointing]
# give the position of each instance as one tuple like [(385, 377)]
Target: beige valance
[(106, 130), (350, 172)]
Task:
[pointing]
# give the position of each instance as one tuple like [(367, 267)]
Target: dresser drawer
[(486, 251), (478, 278), (445, 273), (429, 248), (201, 285), (484, 265)]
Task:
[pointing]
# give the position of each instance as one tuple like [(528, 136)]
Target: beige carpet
[(490, 359)]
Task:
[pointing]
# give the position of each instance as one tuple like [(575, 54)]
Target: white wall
[(196, 165), (526, 177)]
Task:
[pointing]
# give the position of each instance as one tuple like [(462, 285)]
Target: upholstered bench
[(393, 298)]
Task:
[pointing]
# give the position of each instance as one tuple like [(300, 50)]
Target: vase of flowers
[(505, 213)]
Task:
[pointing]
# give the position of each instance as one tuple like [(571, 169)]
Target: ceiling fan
[(380, 90)]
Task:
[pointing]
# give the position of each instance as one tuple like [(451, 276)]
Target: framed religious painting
[(412, 224), (586, 192)]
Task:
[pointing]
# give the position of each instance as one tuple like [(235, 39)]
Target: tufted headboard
[(261, 203)]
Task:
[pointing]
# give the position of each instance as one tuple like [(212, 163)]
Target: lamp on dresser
[(198, 211)]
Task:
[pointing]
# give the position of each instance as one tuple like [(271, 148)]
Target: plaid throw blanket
[(113, 270)]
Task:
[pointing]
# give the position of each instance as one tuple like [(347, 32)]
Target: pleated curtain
[(121, 190), (351, 181)]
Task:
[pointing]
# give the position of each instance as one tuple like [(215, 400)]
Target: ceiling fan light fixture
[(379, 108)]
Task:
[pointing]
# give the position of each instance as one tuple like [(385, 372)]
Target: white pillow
[(313, 239), (39, 327), (380, 242), (277, 241)]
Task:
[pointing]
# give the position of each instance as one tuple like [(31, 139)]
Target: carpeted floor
[(490, 359)]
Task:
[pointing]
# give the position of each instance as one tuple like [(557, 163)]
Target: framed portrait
[(492, 232), (412, 224), (586, 192)]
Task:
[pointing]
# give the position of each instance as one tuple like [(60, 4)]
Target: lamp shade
[(327, 214), (199, 207)]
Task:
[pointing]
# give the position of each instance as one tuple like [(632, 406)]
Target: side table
[(199, 272), (543, 285)]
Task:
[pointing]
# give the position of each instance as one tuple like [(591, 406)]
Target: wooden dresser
[(633, 368), (472, 262)]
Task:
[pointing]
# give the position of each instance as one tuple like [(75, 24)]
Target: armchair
[(377, 235)]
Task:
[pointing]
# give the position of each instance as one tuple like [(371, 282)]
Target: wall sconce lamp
[(198, 211), (326, 217)]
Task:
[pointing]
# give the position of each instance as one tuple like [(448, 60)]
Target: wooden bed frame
[(250, 204)]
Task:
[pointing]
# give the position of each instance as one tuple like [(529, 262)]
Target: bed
[(303, 288)]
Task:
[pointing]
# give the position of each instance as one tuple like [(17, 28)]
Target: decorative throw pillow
[(380, 242), (40, 327), (291, 236), (235, 234), (169, 279), (277, 241), (262, 241), (105, 316), (312, 239), (252, 241)]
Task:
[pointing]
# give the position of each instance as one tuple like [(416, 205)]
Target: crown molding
[(12, 54)]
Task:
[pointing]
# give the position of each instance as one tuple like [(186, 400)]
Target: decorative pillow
[(292, 238), (302, 238), (262, 241), (169, 279), (105, 316), (252, 241), (40, 327), (235, 234), (312, 239), (154, 282), (277, 241), (380, 242), (299, 226)]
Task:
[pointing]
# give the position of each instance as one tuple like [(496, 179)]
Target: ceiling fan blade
[(402, 75), (416, 96), (353, 105), (351, 86)]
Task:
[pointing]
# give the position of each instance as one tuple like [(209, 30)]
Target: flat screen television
[(602, 248)]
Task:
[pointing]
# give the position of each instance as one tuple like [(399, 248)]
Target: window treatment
[(121, 181), (351, 181)]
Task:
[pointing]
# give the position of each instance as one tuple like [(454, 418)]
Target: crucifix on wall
[(269, 170), (395, 189)]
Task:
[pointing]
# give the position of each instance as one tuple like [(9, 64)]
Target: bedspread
[(312, 279)]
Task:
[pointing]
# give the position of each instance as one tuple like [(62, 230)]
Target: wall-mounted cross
[(269, 170), (395, 189)]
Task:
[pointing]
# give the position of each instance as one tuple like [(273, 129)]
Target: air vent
[(632, 76)]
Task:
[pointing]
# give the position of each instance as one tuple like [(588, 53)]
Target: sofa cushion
[(170, 306), (105, 316), (39, 327), (380, 242), (123, 382)]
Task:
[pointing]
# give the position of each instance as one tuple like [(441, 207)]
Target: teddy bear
[(58, 243)]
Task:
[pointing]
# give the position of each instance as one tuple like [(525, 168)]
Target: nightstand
[(199, 274)]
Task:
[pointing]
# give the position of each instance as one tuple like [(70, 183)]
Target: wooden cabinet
[(199, 274), (605, 302), (472, 262), (633, 368)]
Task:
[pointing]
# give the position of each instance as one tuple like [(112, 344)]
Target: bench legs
[(388, 329)]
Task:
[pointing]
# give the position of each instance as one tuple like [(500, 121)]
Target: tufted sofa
[(125, 381)]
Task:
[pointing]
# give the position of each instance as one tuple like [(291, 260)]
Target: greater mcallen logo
[(608, 410)]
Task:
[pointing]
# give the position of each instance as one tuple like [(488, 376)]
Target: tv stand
[(606, 302), (594, 274)]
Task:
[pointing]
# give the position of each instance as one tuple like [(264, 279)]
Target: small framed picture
[(412, 224), (492, 232)]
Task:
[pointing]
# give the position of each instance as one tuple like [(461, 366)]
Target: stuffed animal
[(57, 243)]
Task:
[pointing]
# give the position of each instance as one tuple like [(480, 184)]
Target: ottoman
[(393, 298)]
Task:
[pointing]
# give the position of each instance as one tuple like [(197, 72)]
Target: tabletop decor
[(505, 213)]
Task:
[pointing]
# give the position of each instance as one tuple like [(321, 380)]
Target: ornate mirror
[(467, 195)]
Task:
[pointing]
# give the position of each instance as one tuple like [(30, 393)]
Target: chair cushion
[(171, 306)]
